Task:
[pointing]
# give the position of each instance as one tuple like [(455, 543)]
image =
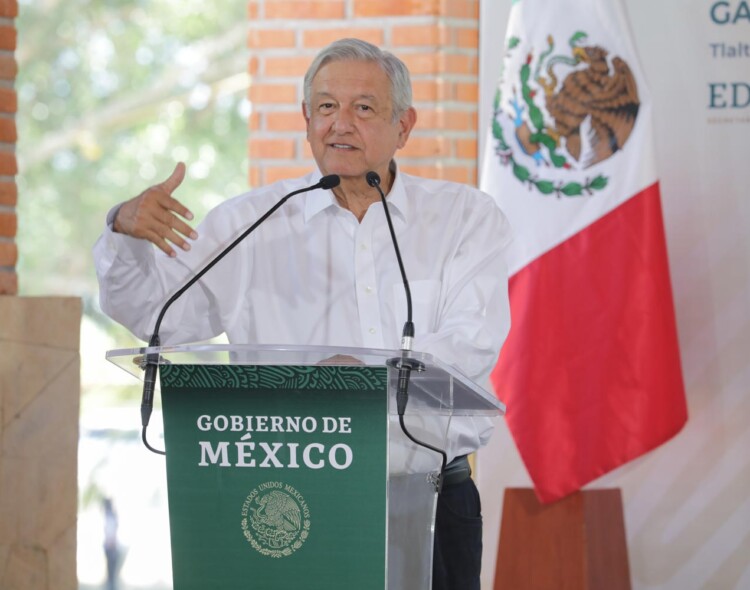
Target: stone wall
[(39, 402)]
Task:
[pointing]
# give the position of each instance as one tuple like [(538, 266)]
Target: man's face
[(350, 126)]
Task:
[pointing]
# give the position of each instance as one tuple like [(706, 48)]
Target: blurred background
[(111, 95)]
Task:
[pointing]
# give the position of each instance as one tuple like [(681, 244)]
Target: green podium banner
[(277, 476)]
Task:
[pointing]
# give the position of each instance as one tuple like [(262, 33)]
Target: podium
[(287, 467)]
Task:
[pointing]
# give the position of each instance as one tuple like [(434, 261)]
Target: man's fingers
[(172, 204), (156, 216), (175, 179), (180, 226)]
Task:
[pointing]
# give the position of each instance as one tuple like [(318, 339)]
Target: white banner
[(687, 504)]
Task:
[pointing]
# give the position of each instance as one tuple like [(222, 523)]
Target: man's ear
[(306, 115), (406, 122)]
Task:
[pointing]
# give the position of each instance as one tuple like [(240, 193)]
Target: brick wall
[(437, 39), (8, 166)]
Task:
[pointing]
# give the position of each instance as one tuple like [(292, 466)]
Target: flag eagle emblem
[(563, 114)]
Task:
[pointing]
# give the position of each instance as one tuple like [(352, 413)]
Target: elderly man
[(322, 271)]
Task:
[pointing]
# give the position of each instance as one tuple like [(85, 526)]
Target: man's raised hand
[(155, 215)]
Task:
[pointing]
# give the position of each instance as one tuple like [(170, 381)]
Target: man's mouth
[(342, 146)]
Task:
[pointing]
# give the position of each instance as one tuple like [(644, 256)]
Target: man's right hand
[(153, 215)]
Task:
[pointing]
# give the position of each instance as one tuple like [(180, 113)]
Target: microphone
[(152, 359), (407, 335), (404, 363)]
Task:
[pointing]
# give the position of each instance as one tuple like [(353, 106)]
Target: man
[(322, 269)]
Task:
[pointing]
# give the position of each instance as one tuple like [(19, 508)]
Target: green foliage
[(112, 94)]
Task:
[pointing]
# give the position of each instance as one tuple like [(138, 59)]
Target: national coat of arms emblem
[(561, 114)]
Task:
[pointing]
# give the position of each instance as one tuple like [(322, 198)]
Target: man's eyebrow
[(323, 94)]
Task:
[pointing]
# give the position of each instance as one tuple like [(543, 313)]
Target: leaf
[(545, 187), (513, 42), (598, 183), (521, 173), (497, 133), (578, 36), (572, 189)]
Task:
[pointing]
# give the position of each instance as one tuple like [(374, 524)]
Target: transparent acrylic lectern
[(287, 467)]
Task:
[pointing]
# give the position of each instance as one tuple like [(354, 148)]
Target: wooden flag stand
[(577, 543)]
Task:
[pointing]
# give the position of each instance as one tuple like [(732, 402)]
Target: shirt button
[(372, 330), (368, 289), (363, 246)]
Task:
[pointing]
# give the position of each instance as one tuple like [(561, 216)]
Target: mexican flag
[(591, 369)]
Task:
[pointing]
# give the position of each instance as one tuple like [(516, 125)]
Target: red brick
[(8, 254), (273, 173), (8, 101), (271, 149), (421, 63), (467, 92), (8, 38), (425, 147), (8, 193), (466, 149), (321, 37), (430, 90), (294, 9), (451, 63), (8, 283), (464, 174), (285, 121), (397, 7), (263, 92), (266, 38), (425, 171), (423, 35), (8, 8), (8, 132), (460, 9), (445, 120), (8, 67), (466, 38), (8, 164), (253, 122), (253, 65), (293, 66), (254, 176), (8, 225)]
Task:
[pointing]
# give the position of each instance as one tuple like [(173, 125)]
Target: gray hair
[(358, 50)]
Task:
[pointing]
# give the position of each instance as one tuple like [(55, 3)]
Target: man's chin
[(346, 173)]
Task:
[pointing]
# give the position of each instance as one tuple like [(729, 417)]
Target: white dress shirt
[(311, 274)]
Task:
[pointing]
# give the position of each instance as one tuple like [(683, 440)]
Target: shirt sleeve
[(136, 280)]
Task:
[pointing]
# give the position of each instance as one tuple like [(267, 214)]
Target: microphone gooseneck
[(405, 364), (152, 359), (407, 336)]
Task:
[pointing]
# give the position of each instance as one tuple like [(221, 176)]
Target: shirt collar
[(319, 199)]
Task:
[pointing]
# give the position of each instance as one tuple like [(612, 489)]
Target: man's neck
[(356, 195)]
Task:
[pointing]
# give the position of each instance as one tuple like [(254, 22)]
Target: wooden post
[(577, 543)]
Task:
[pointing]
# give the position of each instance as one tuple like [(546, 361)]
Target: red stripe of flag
[(591, 371)]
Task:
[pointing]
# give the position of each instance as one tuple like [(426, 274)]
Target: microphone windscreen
[(373, 179), (330, 181)]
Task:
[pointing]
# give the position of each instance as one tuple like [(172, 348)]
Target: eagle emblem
[(565, 112), (276, 519)]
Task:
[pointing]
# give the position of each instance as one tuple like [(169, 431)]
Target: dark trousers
[(457, 555)]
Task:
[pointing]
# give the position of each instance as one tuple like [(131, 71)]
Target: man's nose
[(343, 120)]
